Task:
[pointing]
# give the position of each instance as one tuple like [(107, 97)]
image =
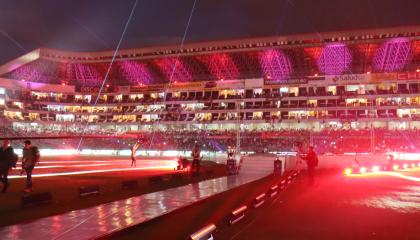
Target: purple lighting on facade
[(334, 59), (393, 55), (37, 71), (84, 74), (27, 73), (276, 65), (136, 73), (180, 74)]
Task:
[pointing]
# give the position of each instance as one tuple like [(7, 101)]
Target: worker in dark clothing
[(8, 160), (30, 157), (311, 161), (134, 152), (196, 159)]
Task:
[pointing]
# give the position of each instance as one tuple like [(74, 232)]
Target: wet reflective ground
[(369, 206), (93, 222)]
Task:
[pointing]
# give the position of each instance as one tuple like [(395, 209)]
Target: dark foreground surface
[(64, 189), (372, 206)]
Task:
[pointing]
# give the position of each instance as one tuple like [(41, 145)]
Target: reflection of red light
[(161, 167), (347, 171), (107, 85), (368, 73), (316, 74), (204, 232), (241, 209), (64, 84)]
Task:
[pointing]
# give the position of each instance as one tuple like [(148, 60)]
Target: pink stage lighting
[(136, 73), (276, 65), (376, 169), (85, 74), (334, 59), (393, 55), (222, 66), (174, 69), (348, 171)]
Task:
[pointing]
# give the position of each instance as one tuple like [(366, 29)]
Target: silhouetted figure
[(8, 159), (196, 159), (312, 162), (30, 157), (133, 153)]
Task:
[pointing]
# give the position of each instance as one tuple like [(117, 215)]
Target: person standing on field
[(30, 158)]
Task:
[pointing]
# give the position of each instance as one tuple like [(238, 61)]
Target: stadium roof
[(278, 57)]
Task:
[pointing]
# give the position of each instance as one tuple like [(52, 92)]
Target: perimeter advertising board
[(380, 77), (348, 78), (409, 76)]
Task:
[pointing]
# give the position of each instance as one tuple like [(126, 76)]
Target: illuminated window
[(332, 90), (65, 117), (284, 89), (313, 102), (176, 94), (13, 115), (18, 104), (118, 97), (34, 116), (294, 90)]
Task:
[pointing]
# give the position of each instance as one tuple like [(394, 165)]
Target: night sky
[(90, 25)]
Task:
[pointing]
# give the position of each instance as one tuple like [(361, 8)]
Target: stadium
[(293, 85), (255, 107)]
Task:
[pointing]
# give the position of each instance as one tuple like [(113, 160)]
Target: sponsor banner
[(348, 78), (285, 82), (84, 89), (379, 77), (123, 89), (254, 83), (211, 84), (148, 88), (230, 84), (409, 76), (315, 78), (188, 85)]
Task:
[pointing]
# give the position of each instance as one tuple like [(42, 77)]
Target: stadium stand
[(283, 92)]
